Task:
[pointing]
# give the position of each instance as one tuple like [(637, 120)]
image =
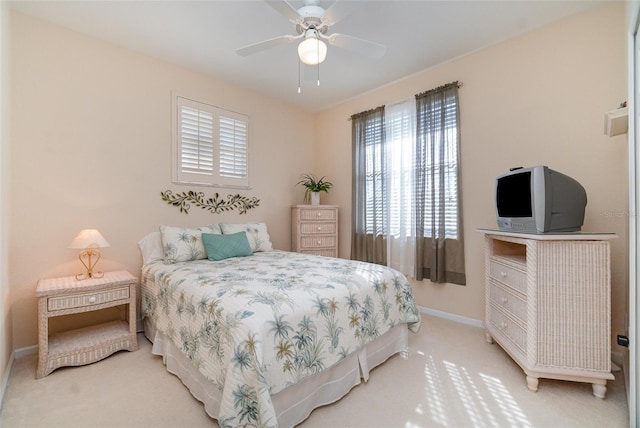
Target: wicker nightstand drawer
[(81, 300)]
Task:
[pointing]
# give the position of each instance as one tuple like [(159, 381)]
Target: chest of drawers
[(314, 229), (547, 304)]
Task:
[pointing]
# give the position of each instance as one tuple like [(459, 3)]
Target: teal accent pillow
[(220, 247)]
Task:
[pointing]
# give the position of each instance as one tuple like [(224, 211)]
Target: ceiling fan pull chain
[(318, 47), (299, 75)]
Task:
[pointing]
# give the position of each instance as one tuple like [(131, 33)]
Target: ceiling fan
[(312, 22)]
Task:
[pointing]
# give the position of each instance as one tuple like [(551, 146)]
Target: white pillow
[(256, 234), (151, 248), (182, 245)]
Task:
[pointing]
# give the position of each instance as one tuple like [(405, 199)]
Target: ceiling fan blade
[(266, 44), (286, 10), (365, 47), (340, 9)]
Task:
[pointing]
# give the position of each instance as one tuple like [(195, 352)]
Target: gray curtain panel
[(440, 254), (369, 204)]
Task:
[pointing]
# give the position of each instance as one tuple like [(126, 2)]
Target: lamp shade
[(89, 238), (312, 51)]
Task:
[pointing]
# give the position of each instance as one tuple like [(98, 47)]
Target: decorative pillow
[(256, 234), (151, 248), (220, 247), (183, 245)]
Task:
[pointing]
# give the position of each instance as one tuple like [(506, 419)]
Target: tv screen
[(513, 195)]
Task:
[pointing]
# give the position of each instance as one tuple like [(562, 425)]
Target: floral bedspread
[(255, 325)]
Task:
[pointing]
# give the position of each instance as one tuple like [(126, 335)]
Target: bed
[(265, 338)]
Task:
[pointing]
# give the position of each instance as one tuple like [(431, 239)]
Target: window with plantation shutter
[(211, 145)]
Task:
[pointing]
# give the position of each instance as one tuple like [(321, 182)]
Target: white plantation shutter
[(211, 145), (195, 137), (233, 148)]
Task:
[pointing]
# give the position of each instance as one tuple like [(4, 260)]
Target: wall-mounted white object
[(616, 122)]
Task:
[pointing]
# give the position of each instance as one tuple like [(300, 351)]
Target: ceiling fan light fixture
[(312, 51)]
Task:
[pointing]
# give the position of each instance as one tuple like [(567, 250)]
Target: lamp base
[(86, 259), (83, 276)]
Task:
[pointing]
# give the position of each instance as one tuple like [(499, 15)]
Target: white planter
[(315, 198)]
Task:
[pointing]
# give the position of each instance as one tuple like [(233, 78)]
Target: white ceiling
[(203, 36)]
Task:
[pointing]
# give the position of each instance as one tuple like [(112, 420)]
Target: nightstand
[(64, 296)]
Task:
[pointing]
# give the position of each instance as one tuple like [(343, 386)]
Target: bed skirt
[(295, 403)]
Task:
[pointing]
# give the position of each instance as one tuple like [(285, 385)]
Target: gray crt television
[(539, 200)]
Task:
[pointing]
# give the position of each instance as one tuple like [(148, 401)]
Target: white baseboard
[(24, 352), (18, 353), (5, 379), (451, 317)]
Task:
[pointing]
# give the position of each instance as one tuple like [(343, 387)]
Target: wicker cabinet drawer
[(317, 242), (327, 252), (88, 299), (509, 328), (508, 275), (317, 228), (318, 214), (508, 301)]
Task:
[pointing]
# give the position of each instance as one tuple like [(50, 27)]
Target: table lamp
[(89, 240)]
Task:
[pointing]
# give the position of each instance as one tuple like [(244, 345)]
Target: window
[(406, 207), (392, 172), (211, 145)]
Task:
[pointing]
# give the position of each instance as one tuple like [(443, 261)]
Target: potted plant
[(313, 186)]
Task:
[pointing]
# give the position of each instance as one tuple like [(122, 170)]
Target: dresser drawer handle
[(92, 299), (503, 325), (319, 242), (319, 214), (319, 228), (503, 274), (504, 300)]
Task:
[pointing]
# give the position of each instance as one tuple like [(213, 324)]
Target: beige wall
[(538, 99), (91, 148), (6, 337)]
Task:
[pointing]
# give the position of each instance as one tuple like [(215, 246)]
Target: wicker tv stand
[(63, 296), (547, 301)]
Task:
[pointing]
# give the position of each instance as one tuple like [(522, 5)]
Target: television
[(539, 200)]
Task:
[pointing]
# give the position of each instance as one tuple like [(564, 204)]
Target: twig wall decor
[(215, 205)]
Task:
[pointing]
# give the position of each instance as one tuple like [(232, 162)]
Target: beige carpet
[(452, 378)]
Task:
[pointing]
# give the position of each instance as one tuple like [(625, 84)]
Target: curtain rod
[(457, 83)]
